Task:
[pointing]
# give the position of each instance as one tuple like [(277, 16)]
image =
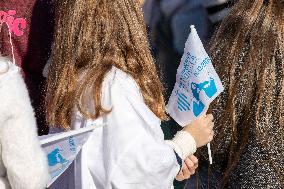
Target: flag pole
[(63, 135), (209, 153), (209, 148)]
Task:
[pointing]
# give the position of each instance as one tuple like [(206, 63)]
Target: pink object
[(16, 25), (3, 17)]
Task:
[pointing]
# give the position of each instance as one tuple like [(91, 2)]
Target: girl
[(103, 72), (23, 164), (248, 51)]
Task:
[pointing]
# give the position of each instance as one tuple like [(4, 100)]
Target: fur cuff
[(183, 144)]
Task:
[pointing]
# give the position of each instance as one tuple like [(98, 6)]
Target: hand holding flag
[(197, 84)]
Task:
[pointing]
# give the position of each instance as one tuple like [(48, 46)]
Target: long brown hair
[(91, 37), (248, 52)]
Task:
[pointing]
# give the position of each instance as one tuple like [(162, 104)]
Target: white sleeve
[(23, 158), (141, 158)]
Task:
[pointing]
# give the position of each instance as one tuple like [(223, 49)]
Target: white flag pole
[(63, 135), (209, 149), (209, 153)]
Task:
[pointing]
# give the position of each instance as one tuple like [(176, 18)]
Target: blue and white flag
[(197, 83), (62, 149)]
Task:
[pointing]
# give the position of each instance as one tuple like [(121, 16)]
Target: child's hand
[(188, 168), (201, 130)]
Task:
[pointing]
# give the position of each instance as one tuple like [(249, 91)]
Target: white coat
[(129, 152), (23, 165)]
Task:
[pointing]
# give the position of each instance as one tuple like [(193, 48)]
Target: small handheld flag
[(197, 84), (62, 149)]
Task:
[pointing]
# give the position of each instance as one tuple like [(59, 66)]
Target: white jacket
[(129, 152), (23, 165)]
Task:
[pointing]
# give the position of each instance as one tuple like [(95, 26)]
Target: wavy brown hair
[(91, 37), (248, 52)]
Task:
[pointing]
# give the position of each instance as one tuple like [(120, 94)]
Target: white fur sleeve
[(22, 155)]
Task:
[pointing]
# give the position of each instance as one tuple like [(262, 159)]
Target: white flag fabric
[(61, 149), (197, 83)]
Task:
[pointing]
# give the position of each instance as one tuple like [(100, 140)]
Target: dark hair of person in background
[(39, 49), (248, 53), (91, 37)]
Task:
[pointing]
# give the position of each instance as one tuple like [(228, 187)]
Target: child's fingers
[(194, 160), (191, 170), (186, 172), (180, 176), (190, 166)]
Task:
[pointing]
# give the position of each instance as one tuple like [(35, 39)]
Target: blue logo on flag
[(183, 102), (56, 162), (55, 157), (72, 144), (209, 88)]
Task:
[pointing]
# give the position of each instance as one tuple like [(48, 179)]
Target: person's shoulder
[(8, 70), (12, 85), (122, 83), (123, 89), (122, 79)]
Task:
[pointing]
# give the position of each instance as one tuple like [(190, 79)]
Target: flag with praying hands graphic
[(197, 84)]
